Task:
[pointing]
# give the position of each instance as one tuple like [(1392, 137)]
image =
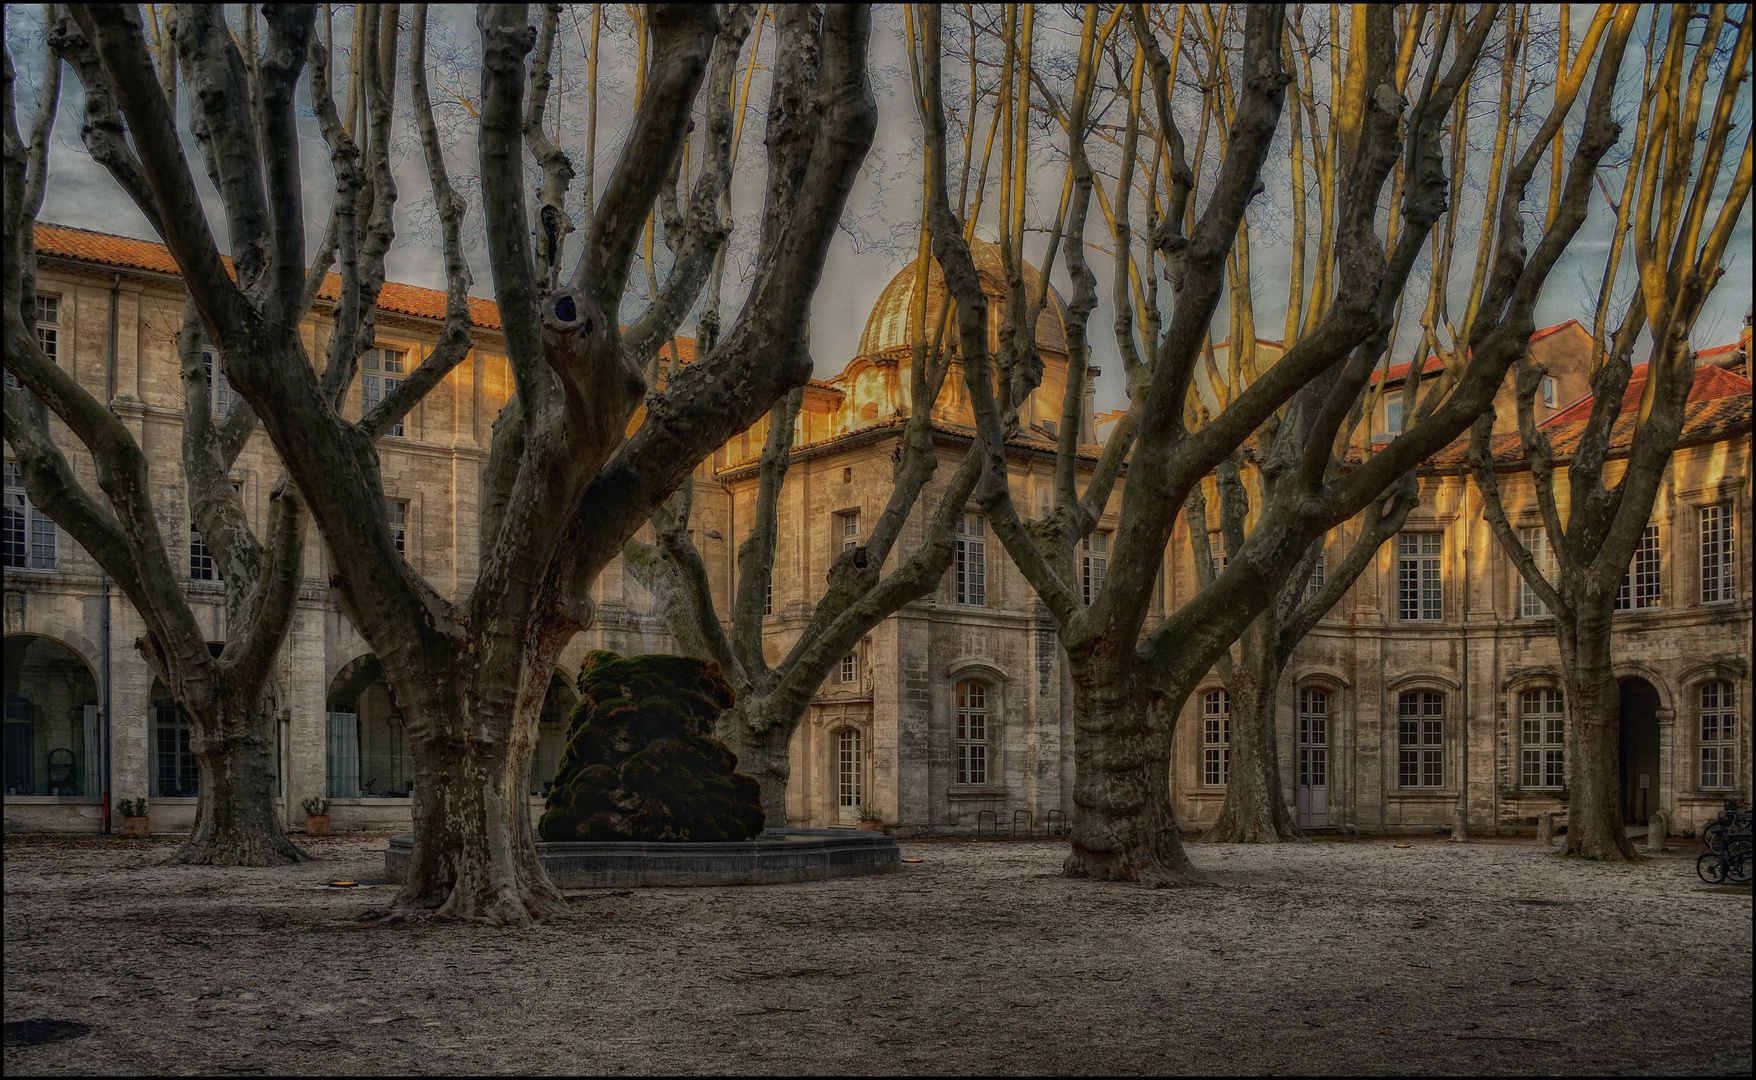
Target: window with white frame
[(850, 766), (1719, 728), (1535, 541), (1421, 739), (1640, 586), (1094, 565), (1393, 416), (1717, 583), (1314, 584), (1548, 392), (396, 512), (1216, 737), (30, 535), (382, 372), (850, 667), (1216, 552), (849, 522), (48, 330), (220, 394), (1418, 596), (972, 733), (768, 597), (201, 564), (1542, 739), (970, 560)]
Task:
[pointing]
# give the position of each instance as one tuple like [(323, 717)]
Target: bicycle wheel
[(1711, 868), (1738, 862), (1714, 835)]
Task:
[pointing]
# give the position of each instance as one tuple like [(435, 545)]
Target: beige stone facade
[(954, 711)]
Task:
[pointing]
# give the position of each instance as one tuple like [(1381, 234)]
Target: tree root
[(1152, 872), (206, 852)]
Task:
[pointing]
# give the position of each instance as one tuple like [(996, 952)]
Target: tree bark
[(1254, 810), (1125, 829), (236, 824), (1594, 817), (762, 740)]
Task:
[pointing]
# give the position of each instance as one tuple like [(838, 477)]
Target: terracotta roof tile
[(83, 245)]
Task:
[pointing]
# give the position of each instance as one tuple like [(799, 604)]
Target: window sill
[(171, 800), (368, 800), (1424, 794), (976, 793)]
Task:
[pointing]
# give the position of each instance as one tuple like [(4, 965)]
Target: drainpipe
[(1463, 497), (104, 626)]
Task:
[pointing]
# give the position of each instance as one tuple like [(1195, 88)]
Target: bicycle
[(1731, 864)]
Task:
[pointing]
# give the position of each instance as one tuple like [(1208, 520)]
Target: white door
[(1313, 786), (849, 774)]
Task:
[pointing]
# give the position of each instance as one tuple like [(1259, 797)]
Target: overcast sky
[(882, 216)]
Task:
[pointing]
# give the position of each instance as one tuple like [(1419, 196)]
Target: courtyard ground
[(1338, 957)]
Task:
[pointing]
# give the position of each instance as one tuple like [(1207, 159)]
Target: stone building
[(1434, 684)]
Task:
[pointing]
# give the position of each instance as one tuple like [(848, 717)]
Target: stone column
[(1657, 827), (1545, 830)]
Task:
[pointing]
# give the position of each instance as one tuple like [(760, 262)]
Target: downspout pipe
[(104, 626)]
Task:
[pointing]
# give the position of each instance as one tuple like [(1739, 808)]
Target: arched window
[(367, 747), (1216, 737), (1543, 739), (850, 767), (54, 744), (1719, 726), (1421, 739), (972, 733)]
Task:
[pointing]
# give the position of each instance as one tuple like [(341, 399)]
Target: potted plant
[(870, 819), (134, 821), (316, 816)]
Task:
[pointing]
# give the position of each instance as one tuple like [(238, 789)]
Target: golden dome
[(888, 326)]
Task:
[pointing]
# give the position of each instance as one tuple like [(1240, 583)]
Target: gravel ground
[(1345, 957)]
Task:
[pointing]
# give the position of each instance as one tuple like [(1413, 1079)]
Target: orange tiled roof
[(1718, 403), (1434, 364)]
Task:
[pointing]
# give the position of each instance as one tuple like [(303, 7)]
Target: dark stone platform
[(775, 857)]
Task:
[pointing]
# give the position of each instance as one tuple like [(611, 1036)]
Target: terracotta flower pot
[(872, 826), (135, 828), (316, 824)]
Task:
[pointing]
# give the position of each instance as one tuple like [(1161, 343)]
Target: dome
[(888, 326)]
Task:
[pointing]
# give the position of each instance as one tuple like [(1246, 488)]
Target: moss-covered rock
[(641, 760)]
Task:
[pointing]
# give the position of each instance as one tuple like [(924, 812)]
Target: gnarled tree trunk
[(236, 824), (760, 734), (1125, 829), (1254, 810)]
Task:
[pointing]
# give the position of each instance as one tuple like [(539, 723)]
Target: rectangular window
[(1216, 738), (1417, 577), (768, 597), (971, 556), (30, 535), (174, 775), (220, 394), (1421, 740), (1393, 417), (201, 564), (1717, 584), (1543, 739), (850, 530), (850, 668), (1536, 541), (1216, 551), (1548, 391), (396, 512), (1719, 727), (382, 373), (1640, 588), (972, 733), (1094, 565), (1314, 584)]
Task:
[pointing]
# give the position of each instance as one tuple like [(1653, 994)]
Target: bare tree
[(1669, 190), (565, 484), (225, 698), (1128, 689)]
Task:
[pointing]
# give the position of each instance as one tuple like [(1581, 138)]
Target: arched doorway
[(1640, 787), (54, 737)]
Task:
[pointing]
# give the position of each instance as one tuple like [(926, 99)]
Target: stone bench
[(776, 857)]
